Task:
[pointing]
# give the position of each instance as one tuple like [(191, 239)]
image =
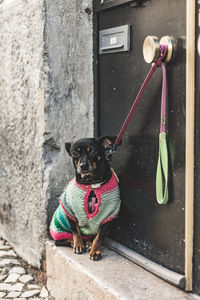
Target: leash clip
[(110, 151), (114, 148)]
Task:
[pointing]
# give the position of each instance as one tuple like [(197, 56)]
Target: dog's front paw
[(78, 246), (95, 252), (96, 255), (79, 249)]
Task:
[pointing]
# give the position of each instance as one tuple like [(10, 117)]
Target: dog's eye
[(75, 154), (93, 154)]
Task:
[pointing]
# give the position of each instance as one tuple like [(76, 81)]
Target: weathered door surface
[(155, 231)]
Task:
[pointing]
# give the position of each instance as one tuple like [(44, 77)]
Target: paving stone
[(13, 294), (5, 247), (12, 277), (44, 293), (29, 294), (2, 294), (7, 253), (18, 270), (5, 271), (5, 287), (17, 287), (26, 278), (2, 277), (33, 286), (9, 261)]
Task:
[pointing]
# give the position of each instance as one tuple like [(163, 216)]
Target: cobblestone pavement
[(17, 279)]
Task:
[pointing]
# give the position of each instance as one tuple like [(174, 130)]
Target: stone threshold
[(76, 277)]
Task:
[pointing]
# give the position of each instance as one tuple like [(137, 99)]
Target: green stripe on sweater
[(62, 217)]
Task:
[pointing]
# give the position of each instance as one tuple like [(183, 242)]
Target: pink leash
[(158, 63)]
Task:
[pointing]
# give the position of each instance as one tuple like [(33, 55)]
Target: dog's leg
[(78, 244), (95, 252)]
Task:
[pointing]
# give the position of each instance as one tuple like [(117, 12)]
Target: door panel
[(156, 231)]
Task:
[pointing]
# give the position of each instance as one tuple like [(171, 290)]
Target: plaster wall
[(46, 99), (68, 108), (21, 127)]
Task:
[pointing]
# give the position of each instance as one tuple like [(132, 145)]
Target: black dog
[(91, 200)]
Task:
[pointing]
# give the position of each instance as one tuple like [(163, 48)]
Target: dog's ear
[(68, 147), (107, 141)]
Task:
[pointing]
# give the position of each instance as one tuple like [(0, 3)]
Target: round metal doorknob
[(169, 41), (151, 49)]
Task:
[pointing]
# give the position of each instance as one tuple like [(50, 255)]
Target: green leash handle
[(162, 166), (162, 171)]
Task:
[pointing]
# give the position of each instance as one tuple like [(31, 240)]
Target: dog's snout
[(84, 164)]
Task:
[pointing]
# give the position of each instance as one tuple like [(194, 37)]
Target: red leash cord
[(158, 63)]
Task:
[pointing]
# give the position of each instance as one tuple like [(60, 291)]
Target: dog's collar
[(98, 185), (115, 174)]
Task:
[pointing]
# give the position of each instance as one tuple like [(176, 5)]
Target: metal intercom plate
[(115, 39)]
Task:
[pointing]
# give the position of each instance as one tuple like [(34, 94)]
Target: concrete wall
[(69, 93), (46, 98), (21, 127)]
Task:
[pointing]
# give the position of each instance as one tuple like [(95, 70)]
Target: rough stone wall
[(46, 99), (21, 127), (69, 93)]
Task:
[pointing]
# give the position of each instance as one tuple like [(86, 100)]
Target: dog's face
[(90, 159)]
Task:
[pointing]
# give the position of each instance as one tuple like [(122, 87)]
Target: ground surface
[(19, 280)]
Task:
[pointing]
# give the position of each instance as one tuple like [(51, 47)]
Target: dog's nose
[(84, 164)]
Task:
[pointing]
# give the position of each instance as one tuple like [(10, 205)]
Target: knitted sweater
[(74, 205)]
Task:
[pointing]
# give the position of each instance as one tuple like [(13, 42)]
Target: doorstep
[(76, 277)]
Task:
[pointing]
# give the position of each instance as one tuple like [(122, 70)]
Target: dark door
[(155, 231)]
